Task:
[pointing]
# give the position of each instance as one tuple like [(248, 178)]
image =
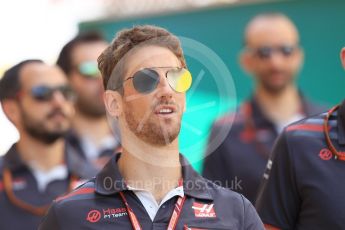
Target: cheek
[(69, 109), (94, 84), (181, 100), (296, 63), (258, 67), (34, 112), (137, 104)]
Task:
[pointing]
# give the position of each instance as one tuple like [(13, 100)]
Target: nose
[(163, 88), (277, 59), (58, 98)]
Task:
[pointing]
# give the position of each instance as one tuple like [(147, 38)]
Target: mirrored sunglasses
[(89, 69), (146, 80)]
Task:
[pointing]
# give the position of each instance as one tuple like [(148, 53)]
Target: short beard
[(38, 131), (45, 137), (276, 89), (151, 132), (90, 109)]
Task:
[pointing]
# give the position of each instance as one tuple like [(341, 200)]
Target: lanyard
[(250, 131), (173, 219), (326, 129), (36, 210)]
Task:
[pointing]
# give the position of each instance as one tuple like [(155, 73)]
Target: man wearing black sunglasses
[(36, 98), (272, 56), (90, 135), (149, 185)]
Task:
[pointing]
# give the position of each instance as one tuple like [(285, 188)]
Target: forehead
[(271, 31), (88, 51), (35, 74), (151, 56)]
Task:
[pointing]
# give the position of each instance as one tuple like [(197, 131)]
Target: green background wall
[(322, 29)]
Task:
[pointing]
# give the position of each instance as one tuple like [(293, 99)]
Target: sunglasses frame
[(273, 49), (66, 91), (153, 69)]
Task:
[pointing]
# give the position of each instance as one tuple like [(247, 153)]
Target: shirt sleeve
[(50, 221), (252, 220), (278, 200)]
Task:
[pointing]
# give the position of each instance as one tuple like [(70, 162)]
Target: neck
[(94, 129), (279, 107), (155, 169), (40, 155)]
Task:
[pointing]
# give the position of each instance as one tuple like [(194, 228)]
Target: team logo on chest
[(203, 210), (325, 154), (93, 216)]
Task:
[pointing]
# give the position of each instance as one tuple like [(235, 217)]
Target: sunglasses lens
[(286, 50), (179, 80), (89, 69), (42, 93), (67, 92), (145, 81), (264, 52)]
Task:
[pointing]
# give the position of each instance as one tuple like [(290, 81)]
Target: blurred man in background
[(303, 186), (91, 135), (273, 57), (36, 98)]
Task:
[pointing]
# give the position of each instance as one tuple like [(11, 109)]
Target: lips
[(56, 113), (165, 110)]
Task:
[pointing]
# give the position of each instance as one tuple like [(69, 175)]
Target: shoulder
[(311, 126), (312, 108), (225, 195), (85, 192), (231, 120), (235, 207)]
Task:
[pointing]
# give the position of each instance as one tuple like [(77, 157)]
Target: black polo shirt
[(97, 205), (25, 188), (303, 187), (240, 160)]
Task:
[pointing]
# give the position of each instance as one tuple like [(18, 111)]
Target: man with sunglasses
[(90, 135), (36, 98), (303, 185), (149, 185), (273, 57)]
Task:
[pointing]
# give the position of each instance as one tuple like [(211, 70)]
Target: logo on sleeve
[(325, 154), (204, 210), (93, 216)]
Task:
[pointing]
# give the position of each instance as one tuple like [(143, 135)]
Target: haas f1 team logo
[(204, 210), (93, 216), (325, 154)]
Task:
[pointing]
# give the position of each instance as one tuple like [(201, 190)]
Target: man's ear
[(245, 60), (11, 110), (301, 56), (113, 103), (342, 56)]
